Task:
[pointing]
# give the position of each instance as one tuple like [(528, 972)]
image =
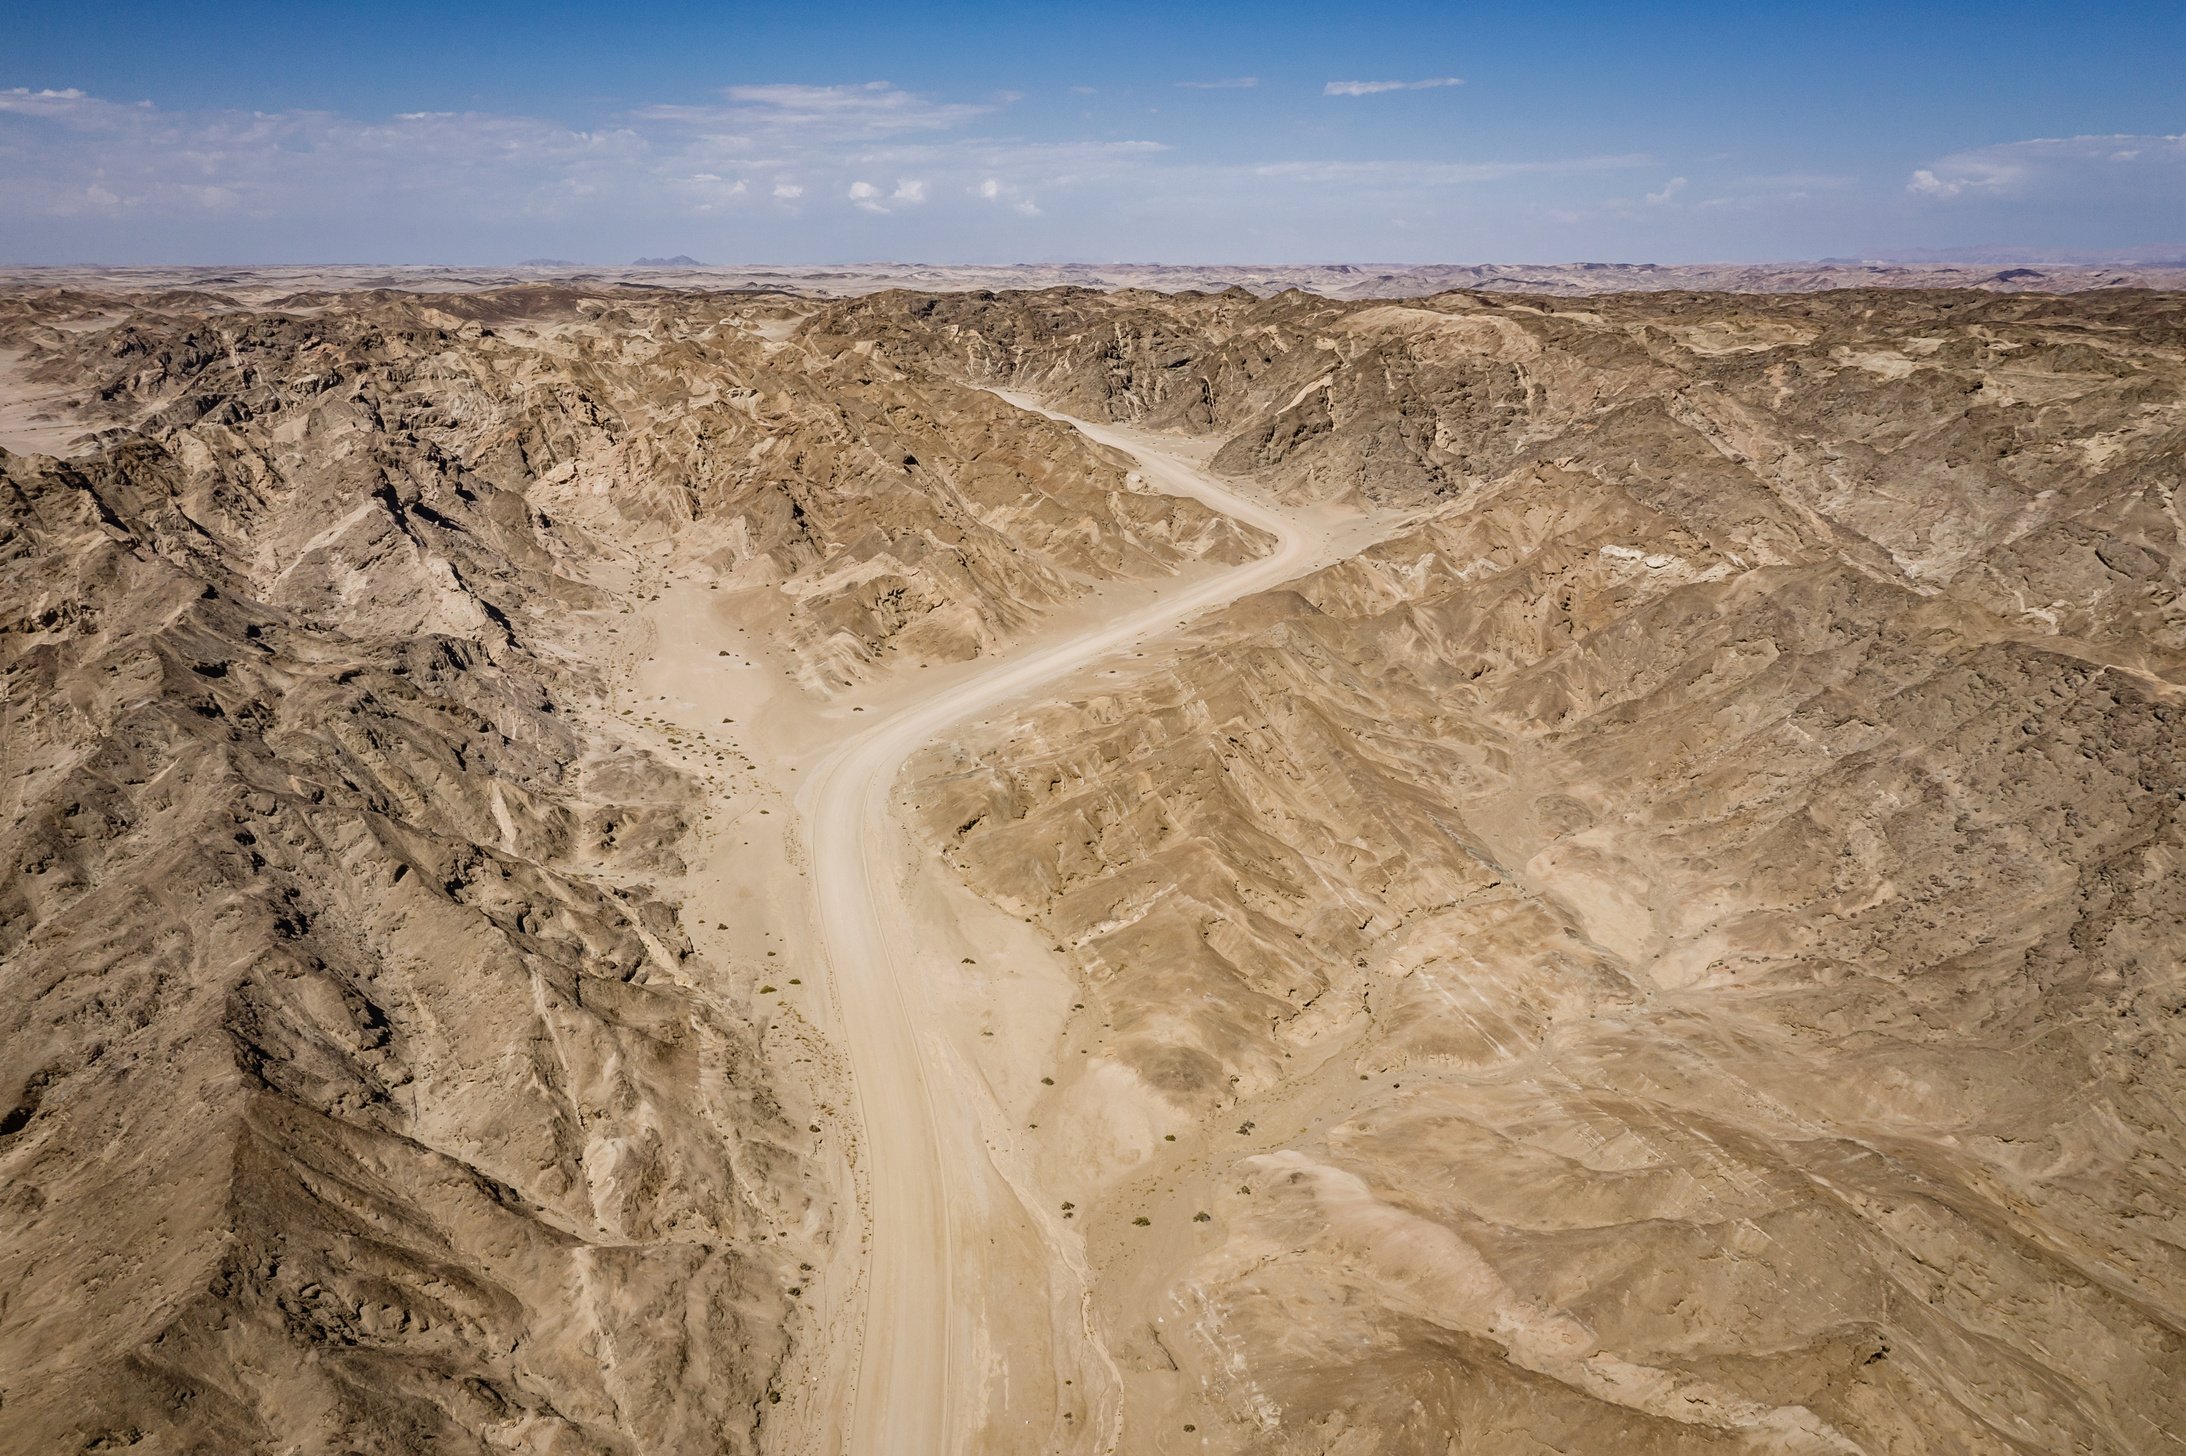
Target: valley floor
[(930, 1334)]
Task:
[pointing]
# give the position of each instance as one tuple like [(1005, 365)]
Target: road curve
[(905, 1396)]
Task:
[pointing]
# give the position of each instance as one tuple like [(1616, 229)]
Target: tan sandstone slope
[(1680, 951), (1674, 948), (363, 1089)]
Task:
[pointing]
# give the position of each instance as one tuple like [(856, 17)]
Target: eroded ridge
[(651, 871)]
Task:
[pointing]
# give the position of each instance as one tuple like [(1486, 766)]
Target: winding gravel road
[(907, 1381)]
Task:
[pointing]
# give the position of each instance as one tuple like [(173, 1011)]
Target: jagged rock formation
[(362, 1089), (866, 513), (362, 1096), (1677, 951), (1673, 949)]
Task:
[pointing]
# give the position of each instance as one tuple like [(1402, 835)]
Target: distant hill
[(549, 263), (680, 260)]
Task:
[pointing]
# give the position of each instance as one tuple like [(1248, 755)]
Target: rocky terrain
[(1679, 950), (363, 1089), (1331, 280), (1670, 943)]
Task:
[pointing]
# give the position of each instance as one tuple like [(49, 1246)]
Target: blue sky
[(990, 133)]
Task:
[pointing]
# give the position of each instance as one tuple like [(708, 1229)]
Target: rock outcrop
[(1679, 949), (362, 1088), (1674, 948)]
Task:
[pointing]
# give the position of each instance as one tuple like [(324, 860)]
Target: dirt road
[(908, 1382)]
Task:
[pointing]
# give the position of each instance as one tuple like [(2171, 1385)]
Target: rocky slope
[(1673, 949), (1679, 950), (362, 1087)]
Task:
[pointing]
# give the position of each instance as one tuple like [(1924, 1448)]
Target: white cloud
[(866, 197), (705, 192), (144, 160), (993, 189), (1436, 174), (1670, 189), (1375, 88), (75, 109), (776, 113), (1234, 83), (24, 101), (64, 153), (1965, 176), (1773, 192), (2084, 169), (81, 175), (72, 154), (990, 158)]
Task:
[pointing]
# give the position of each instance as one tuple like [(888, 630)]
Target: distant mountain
[(2157, 255), (549, 263), (680, 260)]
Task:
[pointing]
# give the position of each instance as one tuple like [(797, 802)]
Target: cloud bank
[(796, 172), (2086, 169), (1376, 88)]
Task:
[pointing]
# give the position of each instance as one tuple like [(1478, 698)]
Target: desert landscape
[(1322, 861)]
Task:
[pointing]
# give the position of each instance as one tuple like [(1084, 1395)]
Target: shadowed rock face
[(364, 1098), (359, 1101), (1674, 949), (870, 513), (1686, 936)]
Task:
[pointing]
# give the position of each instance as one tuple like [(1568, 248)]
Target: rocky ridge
[(1676, 951), (1672, 950), (364, 1090)]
